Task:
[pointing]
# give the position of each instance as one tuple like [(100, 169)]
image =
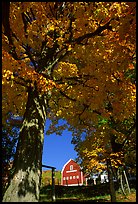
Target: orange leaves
[(131, 66), (95, 149), (8, 66), (13, 99), (5, 43), (45, 85), (16, 19), (19, 68), (124, 28), (103, 58), (117, 159), (7, 76), (66, 69), (60, 41)]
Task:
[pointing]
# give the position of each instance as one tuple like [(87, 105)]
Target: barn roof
[(66, 164)]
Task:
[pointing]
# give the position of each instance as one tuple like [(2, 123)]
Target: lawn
[(85, 193), (120, 198)]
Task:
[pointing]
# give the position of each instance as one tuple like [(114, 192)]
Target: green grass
[(82, 193), (106, 198)]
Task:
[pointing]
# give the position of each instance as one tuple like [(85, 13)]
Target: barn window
[(67, 177), (64, 178), (70, 177), (77, 177), (73, 177), (71, 167)]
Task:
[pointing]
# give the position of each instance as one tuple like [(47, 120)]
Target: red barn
[(71, 174)]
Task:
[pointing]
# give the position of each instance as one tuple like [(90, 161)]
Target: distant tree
[(108, 148)]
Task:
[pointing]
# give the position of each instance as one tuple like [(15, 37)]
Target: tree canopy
[(82, 59), (67, 60)]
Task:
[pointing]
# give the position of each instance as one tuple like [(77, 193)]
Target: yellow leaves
[(103, 60), (69, 48), (94, 152), (121, 94), (65, 69), (52, 28), (13, 98), (59, 113), (7, 77), (60, 41), (44, 85), (5, 43), (133, 93), (116, 159), (50, 42), (91, 158), (10, 65), (7, 73)]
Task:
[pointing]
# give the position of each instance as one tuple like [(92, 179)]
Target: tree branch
[(27, 48), (96, 32), (65, 95), (52, 65)]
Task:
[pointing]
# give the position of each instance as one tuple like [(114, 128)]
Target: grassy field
[(106, 198), (85, 193)]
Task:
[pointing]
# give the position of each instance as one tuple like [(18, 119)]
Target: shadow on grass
[(75, 200), (80, 200), (97, 193)]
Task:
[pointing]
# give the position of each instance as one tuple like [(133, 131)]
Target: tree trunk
[(111, 182), (126, 181), (121, 182), (25, 183)]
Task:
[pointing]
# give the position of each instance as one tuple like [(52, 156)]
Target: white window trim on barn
[(71, 171), (71, 167)]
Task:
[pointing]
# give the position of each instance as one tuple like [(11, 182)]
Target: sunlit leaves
[(95, 150), (93, 74), (66, 70)]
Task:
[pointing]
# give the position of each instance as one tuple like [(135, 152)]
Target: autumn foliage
[(101, 47), (80, 55)]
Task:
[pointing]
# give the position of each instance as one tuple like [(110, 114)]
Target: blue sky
[(57, 149)]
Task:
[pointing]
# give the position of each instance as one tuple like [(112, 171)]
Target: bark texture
[(25, 182), (111, 182)]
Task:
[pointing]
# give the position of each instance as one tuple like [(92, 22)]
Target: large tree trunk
[(111, 182), (25, 183)]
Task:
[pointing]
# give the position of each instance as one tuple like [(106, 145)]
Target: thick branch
[(51, 66), (96, 32), (28, 52)]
